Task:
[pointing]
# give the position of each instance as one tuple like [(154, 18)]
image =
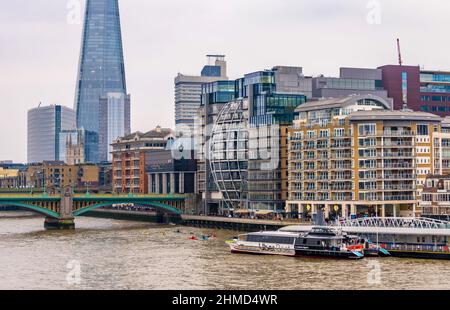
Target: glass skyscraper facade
[(267, 106), (101, 69), (44, 127), (114, 122)]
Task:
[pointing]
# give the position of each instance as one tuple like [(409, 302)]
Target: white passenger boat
[(401, 237), (319, 242), (267, 242)]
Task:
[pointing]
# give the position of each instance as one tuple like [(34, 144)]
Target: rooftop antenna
[(214, 57), (400, 62)]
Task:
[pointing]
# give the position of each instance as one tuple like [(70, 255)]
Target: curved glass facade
[(229, 153), (101, 68)]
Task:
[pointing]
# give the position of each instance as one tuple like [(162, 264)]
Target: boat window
[(270, 239)]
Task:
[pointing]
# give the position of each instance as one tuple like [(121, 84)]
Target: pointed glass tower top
[(101, 68)]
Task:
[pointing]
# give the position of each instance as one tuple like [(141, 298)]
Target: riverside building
[(355, 156), (239, 138), (435, 196), (131, 155)]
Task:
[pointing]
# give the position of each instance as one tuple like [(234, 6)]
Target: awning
[(242, 211), (264, 212)]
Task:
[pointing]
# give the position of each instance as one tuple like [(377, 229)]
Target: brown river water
[(110, 254)]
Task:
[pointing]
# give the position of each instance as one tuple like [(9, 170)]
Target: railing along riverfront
[(416, 248)]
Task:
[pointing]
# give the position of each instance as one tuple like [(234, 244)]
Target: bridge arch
[(154, 204), (33, 208)]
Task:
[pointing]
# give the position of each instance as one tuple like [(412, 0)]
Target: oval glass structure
[(228, 153)]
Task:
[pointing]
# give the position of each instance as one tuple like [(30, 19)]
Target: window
[(422, 130), (367, 129), (339, 132), (405, 87), (311, 134), (324, 133)]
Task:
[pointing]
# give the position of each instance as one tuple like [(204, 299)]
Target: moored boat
[(400, 237), (329, 242), (372, 249), (319, 242), (267, 243)]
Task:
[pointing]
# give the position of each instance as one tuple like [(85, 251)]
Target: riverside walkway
[(240, 224)]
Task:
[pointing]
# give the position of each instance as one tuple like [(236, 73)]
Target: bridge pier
[(66, 220), (164, 218), (52, 223)]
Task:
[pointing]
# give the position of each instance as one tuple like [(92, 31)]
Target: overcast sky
[(39, 48)]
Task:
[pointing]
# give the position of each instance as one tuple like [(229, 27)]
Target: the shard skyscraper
[(102, 73)]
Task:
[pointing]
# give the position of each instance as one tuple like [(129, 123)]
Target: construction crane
[(399, 53)]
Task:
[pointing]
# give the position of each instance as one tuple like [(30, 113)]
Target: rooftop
[(341, 102), (394, 115), (157, 133)]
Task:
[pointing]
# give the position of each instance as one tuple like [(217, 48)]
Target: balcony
[(341, 145), (398, 188), (342, 167), (397, 144), (398, 166), (399, 133), (398, 197), (399, 176), (397, 154), (341, 155), (342, 188), (341, 177)]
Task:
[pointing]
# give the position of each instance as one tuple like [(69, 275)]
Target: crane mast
[(399, 53)]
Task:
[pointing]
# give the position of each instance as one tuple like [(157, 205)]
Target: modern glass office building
[(44, 127), (229, 153), (242, 151), (214, 97), (101, 68), (114, 122), (188, 92)]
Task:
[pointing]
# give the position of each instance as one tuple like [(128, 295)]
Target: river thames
[(109, 254)]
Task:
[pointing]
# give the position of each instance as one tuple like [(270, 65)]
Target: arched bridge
[(60, 210)]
